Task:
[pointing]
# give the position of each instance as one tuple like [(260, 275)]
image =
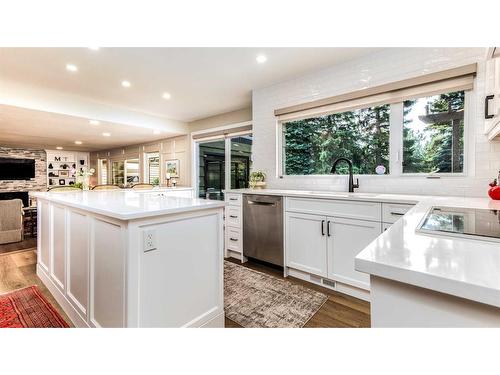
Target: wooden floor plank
[(339, 311)]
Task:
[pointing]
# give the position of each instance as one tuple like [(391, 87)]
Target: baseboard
[(217, 322), (68, 308), (339, 286)]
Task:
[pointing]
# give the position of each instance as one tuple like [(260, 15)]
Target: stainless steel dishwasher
[(263, 228)]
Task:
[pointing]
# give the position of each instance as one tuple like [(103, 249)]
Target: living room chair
[(142, 186), (11, 221), (106, 187)]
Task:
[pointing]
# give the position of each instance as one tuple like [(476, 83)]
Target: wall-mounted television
[(17, 169)]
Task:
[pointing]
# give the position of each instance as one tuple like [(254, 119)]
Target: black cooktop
[(462, 221)]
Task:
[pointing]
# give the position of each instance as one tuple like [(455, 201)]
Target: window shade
[(223, 132), (456, 79)]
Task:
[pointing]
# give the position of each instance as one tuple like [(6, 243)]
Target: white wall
[(482, 159)]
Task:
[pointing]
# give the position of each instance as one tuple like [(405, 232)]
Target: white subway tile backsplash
[(378, 68)]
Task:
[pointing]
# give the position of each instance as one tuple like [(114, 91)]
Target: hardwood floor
[(339, 311), (28, 243), (18, 270)]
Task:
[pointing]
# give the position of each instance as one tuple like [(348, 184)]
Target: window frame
[(395, 146)]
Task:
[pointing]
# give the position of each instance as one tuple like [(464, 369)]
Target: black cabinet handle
[(233, 216), (322, 227), (233, 239), (397, 214), (328, 228), (233, 199), (486, 109)]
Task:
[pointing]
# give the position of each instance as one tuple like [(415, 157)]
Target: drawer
[(234, 239), (391, 212), (233, 199), (339, 208), (233, 216)]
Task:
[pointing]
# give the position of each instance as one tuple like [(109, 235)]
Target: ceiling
[(44, 130), (202, 81)]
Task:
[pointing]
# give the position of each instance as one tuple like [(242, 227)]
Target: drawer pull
[(233, 216), (233, 199), (397, 214), (234, 239)]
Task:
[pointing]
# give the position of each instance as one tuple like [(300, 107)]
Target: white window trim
[(227, 147), (396, 147)]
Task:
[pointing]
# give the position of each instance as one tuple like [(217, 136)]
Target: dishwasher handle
[(256, 203)]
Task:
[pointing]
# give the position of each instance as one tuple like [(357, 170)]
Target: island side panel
[(399, 305), (81, 260), (180, 282)]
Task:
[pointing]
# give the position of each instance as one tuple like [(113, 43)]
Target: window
[(310, 146), (433, 134), (153, 168), (103, 171)]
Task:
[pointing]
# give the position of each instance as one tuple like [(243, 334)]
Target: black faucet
[(352, 185)]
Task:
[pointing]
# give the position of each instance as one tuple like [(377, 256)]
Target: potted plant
[(257, 179)]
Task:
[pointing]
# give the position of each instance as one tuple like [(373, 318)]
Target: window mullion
[(396, 139)]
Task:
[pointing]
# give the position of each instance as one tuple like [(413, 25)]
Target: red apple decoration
[(494, 191)]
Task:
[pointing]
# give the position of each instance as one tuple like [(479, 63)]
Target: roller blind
[(456, 79), (223, 132)]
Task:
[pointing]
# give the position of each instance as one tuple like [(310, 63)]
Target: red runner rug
[(28, 308)]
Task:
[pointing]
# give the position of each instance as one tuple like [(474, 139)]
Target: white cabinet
[(392, 212), (306, 245), (492, 99), (346, 238), (233, 224)]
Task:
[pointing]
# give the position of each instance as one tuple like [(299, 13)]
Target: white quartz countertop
[(466, 268), (370, 197), (128, 204)]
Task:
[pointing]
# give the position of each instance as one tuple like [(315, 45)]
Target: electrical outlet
[(149, 240)]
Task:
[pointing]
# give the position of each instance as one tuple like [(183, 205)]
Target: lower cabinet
[(306, 245), (347, 237), (326, 246)]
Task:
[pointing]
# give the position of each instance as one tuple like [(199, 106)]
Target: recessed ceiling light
[(71, 68), (59, 148), (261, 59), (94, 48), (126, 84), (156, 132), (106, 134), (94, 122), (78, 142), (166, 95)]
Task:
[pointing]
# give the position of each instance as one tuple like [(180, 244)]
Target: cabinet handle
[(322, 227), (233, 239), (233, 216), (397, 214), (233, 199), (328, 228), (486, 109)]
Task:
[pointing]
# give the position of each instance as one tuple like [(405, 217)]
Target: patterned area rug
[(256, 300), (28, 308)]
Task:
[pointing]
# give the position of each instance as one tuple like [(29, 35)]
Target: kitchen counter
[(129, 204), (465, 268), (132, 258)]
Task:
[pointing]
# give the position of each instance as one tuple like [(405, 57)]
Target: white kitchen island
[(132, 258)]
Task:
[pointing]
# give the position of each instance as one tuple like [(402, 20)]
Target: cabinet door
[(346, 239), (306, 242)]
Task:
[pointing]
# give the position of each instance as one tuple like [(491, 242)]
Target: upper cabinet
[(492, 98)]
